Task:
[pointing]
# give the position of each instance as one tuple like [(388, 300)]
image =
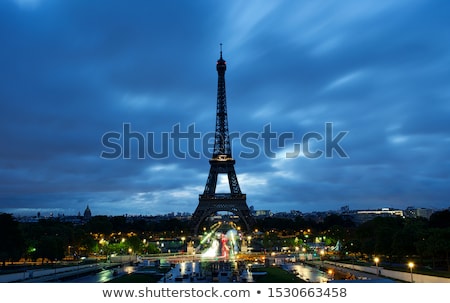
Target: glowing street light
[(411, 266), (376, 259), (331, 273)]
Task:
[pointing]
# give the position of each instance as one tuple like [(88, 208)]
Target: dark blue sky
[(72, 71)]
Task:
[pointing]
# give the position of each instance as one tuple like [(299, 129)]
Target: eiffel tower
[(222, 162)]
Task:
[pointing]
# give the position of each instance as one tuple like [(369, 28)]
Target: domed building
[(87, 213)]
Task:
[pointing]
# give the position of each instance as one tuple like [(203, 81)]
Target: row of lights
[(410, 265)]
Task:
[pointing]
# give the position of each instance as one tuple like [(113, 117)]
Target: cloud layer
[(75, 70)]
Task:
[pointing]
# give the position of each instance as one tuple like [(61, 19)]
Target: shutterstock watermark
[(190, 143)]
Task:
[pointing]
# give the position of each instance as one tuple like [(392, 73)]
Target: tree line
[(395, 238)]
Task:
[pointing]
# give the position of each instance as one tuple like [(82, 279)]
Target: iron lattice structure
[(222, 162)]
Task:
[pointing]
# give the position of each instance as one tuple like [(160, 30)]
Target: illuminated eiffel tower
[(222, 162)]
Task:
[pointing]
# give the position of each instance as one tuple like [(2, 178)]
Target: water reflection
[(104, 275), (307, 273)]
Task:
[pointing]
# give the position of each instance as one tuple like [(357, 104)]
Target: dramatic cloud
[(73, 71)]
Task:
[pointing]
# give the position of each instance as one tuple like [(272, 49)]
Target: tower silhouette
[(222, 162)]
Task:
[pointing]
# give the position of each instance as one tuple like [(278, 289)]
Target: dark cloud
[(73, 71)]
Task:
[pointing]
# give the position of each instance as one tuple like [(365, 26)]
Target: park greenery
[(395, 239)]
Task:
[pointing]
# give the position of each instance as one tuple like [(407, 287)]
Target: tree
[(152, 248), (407, 239), (270, 223), (336, 220), (377, 236), (440, 219), (135, 243), (12, 243), (270, 240), (50, 247), (438, 245), (99, 224)]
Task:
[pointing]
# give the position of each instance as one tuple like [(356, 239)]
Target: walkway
[(386, 273), (51, 274)]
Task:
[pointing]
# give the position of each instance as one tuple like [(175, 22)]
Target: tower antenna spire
[(220, 50)]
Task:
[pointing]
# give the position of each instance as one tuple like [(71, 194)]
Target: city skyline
[(372, 75)]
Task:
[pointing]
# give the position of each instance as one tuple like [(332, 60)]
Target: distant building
[(262, 213), (413, 212), (424, 213), (410, 212), (296, 213), (345, 209), (87, 213), (362, 216), (383, 211)]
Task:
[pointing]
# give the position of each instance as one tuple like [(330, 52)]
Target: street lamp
[(183, 239), (322, 253), (376, 259), (331, 273), (411, 265)]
